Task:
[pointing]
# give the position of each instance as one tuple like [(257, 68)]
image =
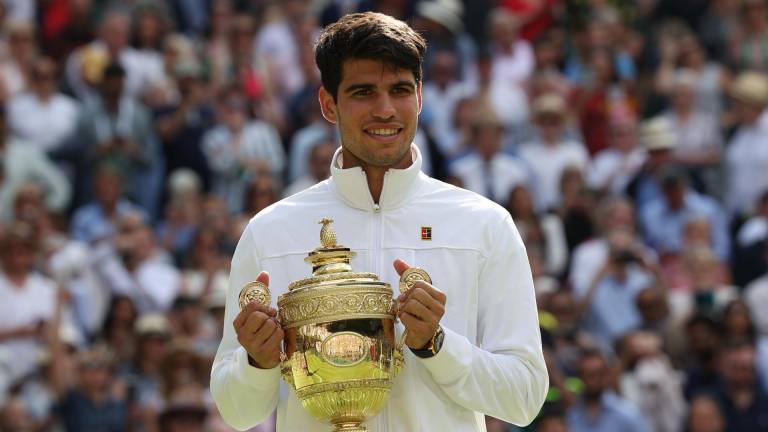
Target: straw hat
[(656, 134), (750, 88), (447, 13)]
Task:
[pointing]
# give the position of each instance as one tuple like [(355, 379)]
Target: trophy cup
[(339, 353)]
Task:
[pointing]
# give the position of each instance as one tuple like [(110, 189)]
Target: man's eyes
[(396, 91)]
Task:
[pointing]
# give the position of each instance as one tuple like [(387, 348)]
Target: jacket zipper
[(383, 423)]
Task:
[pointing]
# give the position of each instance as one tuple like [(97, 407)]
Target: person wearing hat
[(441, 23), (551, 152), (658, 139), (487, 169), (746, 158)]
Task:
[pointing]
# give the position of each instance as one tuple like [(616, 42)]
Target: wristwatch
[(433, 347)]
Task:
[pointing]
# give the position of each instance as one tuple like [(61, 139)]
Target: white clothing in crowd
[(228, 155), (494, 179), (42, 124), (547, 163), (747, 163), (612, 169)]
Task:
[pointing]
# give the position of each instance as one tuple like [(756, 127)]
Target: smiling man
[(473, 339)]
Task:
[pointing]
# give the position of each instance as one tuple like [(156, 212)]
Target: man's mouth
[(384, 132)]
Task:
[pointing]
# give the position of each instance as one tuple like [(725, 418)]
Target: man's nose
[(384, 108)]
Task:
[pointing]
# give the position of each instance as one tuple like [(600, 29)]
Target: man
[(599, 409), (482, 301)]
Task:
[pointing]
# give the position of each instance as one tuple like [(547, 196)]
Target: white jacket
[(491, 360)]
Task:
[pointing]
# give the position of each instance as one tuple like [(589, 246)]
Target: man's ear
[(327, 105), (418, 96)]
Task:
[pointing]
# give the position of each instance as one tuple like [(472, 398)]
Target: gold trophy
[(339, 353)]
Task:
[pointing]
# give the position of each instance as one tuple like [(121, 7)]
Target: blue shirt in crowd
[(616, 414)]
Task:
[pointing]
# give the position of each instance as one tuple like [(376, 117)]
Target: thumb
[(263, 277), (400, 266)]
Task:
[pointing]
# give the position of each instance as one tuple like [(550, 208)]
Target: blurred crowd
[(627, 138)]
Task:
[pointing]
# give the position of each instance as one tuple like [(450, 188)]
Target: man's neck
[(374, 174)]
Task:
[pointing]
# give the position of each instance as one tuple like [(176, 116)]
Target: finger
[(431, 303), (265, 332), (252, 307), (263, 277), (416, 328), (273, 342), (400, 266), (419, 310), (254, 322), (431, 290)]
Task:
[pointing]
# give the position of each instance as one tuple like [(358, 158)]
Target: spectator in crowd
[(441, 95), (94, 403), (181, 125), (319, 167), (663, 219), (747, 153), (658, 139), (177, 231), (135, 266), (549, 155), (17, 63), (206, 268), (704, 415), (117, 129), (649, 381), (599, 409), (609, 303), (545, 234), (95, 221), (239, 148), (756, 296), (743, 399), (43, 117), (611, 170), (27, 304), (85, 67), (488, 170), (20, 163), (748, 41), (699, 141)]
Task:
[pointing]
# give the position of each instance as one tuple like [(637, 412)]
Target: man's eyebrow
[(362, 86)]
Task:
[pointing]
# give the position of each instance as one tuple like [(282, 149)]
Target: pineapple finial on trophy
[(327, 233)]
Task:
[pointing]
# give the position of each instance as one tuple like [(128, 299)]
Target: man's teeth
[(383, 132)]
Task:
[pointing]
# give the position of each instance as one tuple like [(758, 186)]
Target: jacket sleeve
[(503, 374), (244, 395)]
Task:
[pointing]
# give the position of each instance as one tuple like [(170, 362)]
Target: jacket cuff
[(259, 379), (453, 359)]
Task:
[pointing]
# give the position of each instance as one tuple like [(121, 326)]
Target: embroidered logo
[(426, 233)]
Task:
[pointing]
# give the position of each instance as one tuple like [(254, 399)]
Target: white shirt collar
[(399, 184)]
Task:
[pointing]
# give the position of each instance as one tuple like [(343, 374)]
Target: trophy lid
[(331, 261)]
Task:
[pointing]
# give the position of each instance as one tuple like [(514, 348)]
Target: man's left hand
[(420, 309)]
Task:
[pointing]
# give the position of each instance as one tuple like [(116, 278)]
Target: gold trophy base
[(349, 427)]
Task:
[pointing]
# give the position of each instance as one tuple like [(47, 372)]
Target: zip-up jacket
[(491, 360)]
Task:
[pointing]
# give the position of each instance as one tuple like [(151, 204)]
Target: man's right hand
[(259, 332)]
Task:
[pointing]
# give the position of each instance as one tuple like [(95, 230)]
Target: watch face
[(438, 340)]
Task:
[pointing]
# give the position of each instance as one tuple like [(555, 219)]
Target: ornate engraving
[(318, 308), (411, 276), (254, 292)]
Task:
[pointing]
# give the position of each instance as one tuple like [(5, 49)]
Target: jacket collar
[(399, 184)]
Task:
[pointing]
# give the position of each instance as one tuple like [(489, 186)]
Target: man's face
[(376, 110), (593, 374)]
